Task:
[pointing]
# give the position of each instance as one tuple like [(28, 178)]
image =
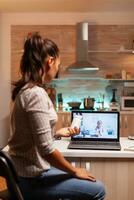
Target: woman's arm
[(57, 160), (41, 134)]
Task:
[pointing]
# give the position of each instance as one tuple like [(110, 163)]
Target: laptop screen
[(97, 125)]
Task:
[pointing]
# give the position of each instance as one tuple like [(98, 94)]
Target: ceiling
[(66, 5)]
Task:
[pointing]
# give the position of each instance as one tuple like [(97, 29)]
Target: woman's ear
[(49, 63)]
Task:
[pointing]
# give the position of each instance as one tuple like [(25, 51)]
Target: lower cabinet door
[(116, 174), (126, 125)]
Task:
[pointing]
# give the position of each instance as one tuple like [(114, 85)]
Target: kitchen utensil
[(89, 103), (113, 100), (74, 104)]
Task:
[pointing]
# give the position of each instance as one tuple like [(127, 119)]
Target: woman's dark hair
[(36, 50)]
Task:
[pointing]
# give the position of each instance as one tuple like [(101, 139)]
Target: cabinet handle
[(126, 122), (73, 164), (120, 122), (88, 166)]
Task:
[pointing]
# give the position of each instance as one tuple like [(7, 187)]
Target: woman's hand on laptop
[(82, 173), (67, 132)]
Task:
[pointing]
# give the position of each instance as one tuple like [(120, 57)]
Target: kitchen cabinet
[(113, 168), (116, 174), (126, 123)]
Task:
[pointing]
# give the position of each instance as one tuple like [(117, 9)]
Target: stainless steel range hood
[(82, 64)]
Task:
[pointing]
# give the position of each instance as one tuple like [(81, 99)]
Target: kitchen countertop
[(62, 145)]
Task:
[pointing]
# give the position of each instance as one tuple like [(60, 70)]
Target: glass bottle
[(60, 101)]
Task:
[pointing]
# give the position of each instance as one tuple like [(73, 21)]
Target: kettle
[(89, 103)]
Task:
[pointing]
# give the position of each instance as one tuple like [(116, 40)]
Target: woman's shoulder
[(26, 90), (34, 92), (37, 89)]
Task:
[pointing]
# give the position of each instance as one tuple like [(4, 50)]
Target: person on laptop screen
[(93, 127), (99, 128)]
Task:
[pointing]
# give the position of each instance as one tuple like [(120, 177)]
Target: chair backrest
[(7, 171)]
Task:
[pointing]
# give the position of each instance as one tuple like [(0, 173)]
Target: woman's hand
[(67, 132), (82, 173), (57, 160)]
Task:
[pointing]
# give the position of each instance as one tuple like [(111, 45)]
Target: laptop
[(98, 130)]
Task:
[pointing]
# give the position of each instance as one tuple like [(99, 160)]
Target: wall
[(8, 19), (63, 35), (104, 43), (4, 81)]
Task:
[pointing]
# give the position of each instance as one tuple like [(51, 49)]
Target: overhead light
[(83, 69)]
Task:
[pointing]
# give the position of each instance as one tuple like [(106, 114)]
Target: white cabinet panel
[(117, 175)]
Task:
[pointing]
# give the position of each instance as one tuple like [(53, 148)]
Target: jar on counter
[(123, 74), (128, 76), (60, 101)]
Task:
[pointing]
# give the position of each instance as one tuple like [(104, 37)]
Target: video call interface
[(98, 125)]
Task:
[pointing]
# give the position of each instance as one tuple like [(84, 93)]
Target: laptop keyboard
[(93, 143)]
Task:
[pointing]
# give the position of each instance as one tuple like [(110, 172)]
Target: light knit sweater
[(33, 120)]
